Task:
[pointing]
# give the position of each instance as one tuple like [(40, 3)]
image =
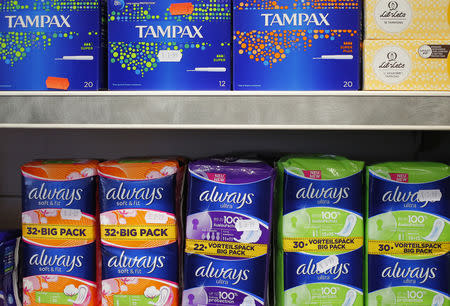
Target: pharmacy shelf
[(228, 93), (363, 110)]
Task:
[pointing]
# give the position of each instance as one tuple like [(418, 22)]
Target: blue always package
[(161, 45), (47, 45), (140, 203), (9, 293), (296, 45), (408, 234), (59, 232), (228, 230), (319, 253)]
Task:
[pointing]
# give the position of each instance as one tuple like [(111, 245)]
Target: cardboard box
[(48, 45), (407, 19), (280, 45), (406, 65), (162, 45)]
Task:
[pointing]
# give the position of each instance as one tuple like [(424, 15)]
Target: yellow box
[(407, 19), (407, 65)]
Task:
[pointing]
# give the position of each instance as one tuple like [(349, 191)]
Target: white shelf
[(333, 110)]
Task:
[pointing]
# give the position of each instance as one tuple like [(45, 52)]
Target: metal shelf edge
[(228, 127), (225, 93)]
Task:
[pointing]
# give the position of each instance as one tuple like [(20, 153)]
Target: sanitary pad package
[(9, 259), (319, 252), (140, 204), (296, 45), (408, 234), (228, 230), (58, 228), (51, 44), (165, 45)]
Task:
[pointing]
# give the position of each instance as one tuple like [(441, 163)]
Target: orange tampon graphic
[(185, 8), (57, 83)]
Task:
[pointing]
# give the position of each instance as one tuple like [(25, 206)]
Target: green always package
[(319, 247), (408, 234)]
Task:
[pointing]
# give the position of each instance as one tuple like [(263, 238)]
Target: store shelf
[(361, 110), (229, 93)]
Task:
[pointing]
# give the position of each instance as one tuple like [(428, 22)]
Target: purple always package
[(228, 229)]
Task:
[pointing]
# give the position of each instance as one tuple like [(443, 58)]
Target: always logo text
[(122, 193), (234, 275), (60, 194), (311, 269), (67, 261), (420, 273), (215, 196), (143, 262), (334, 194), (398, 196)]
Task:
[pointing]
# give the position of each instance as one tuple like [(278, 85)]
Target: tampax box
[(166, 45), (407, 19), (406, 65), (296, 45), (50, 44)]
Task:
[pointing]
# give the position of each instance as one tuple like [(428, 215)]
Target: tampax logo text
[(42, 193), (297, 19), (238, 198), (311, 269), (420, 273), (334, 194), (39, 21), (235, 275), (171, 31), (123, 193)]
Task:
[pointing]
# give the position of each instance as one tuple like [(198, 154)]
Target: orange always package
[(59, 232), (140, 208)]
